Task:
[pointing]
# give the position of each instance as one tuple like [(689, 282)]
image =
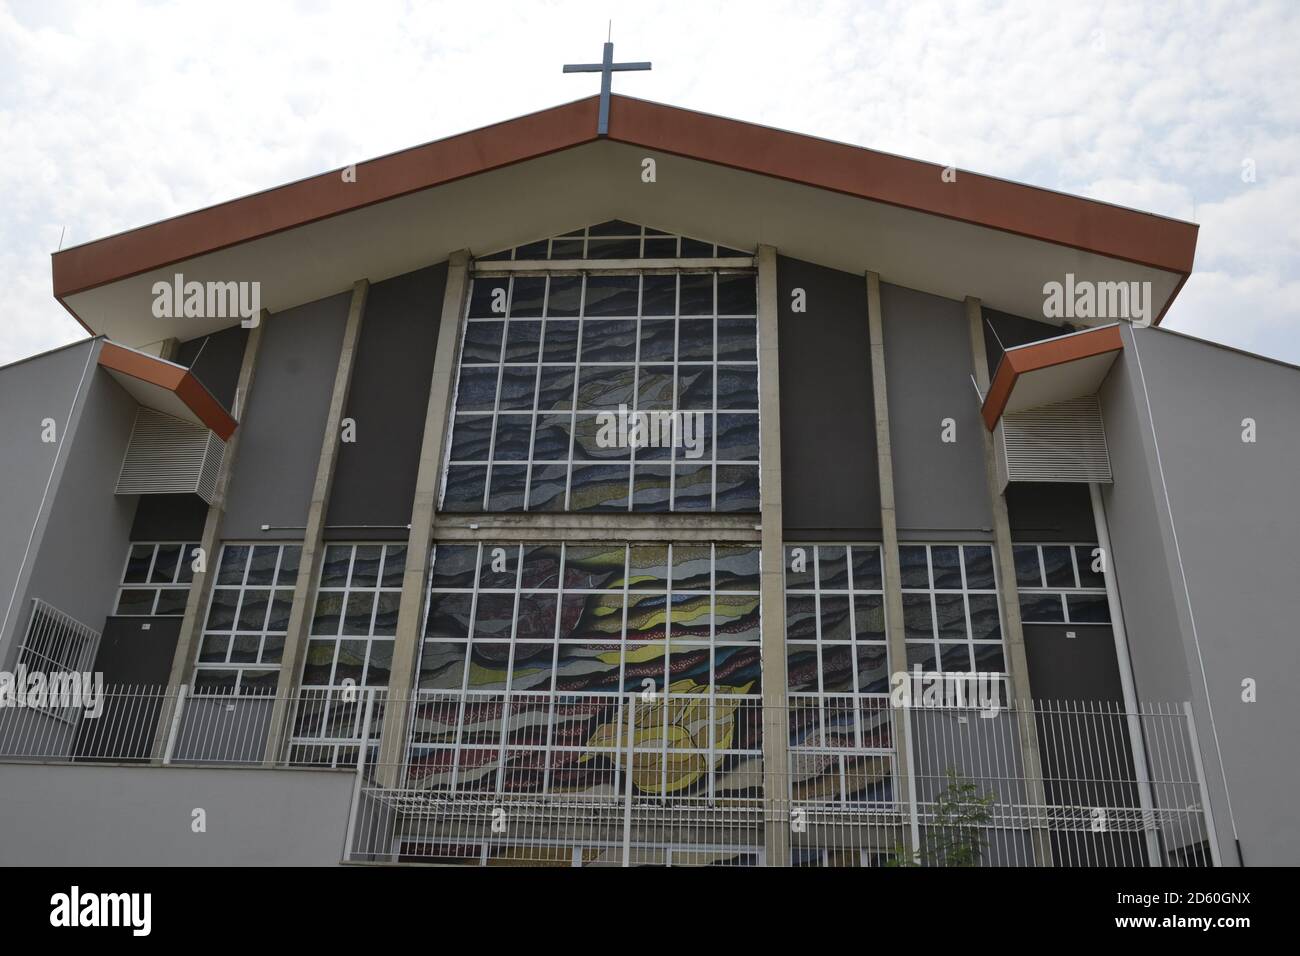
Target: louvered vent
[(170, 456), (1060, 442)]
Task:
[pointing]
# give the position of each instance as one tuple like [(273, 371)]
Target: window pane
[(1028, 574), (1085, 557), (979, 567), (1059, 567), (137, 565), (165, 563)]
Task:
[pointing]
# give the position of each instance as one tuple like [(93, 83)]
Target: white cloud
[(114, 115)]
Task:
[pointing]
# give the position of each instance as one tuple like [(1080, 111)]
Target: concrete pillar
[(304, 590), (893, 575), (776, 755), (196, 606), (1013, 635), (410, 615)]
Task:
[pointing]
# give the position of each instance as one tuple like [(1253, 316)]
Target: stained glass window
[(243, 637), (537, 656), (350, 648), (607, 393), (837, 670), (615, 239), (950, 608)]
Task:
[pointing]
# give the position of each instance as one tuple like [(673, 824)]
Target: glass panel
[(137, 564)]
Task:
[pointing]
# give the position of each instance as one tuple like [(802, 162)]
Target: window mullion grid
[(510, 666), (569, 465), (552, 714), (635, 404), (668, 644), (534, 419), (464, 675), (711, 767), (496, 399), (856, 697)]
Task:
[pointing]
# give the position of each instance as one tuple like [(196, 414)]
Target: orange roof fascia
[(1058, 218), (174, 378), (1040, 355)]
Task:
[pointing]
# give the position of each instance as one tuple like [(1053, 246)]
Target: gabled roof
[(1120, 235)]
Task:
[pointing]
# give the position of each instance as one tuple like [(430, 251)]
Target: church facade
[(687, 492)]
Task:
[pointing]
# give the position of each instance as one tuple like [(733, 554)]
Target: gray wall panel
[(940, 488), (829, 480), (1238, 532), (78, 566), (30, 391), (285, 421), (374, 478), (254, 817)]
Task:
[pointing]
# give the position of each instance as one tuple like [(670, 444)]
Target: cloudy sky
[(120, 113)]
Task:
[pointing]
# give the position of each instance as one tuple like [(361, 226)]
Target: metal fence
[(694, 779), (633, 779)]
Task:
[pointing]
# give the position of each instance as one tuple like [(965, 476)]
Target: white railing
[(632, 779)]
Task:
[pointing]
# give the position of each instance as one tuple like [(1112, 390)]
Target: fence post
[(913, 799), (361, 773), (627, 784), (175, 727), (1210, 832)]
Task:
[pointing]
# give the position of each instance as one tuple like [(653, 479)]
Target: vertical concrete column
[(410, 614), (893, 575), (300, 614), (196, 606), (776, 756), (1013, 634)]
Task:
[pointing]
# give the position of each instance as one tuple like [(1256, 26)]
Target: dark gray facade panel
[(137, 650), (1238, 539), (285, 422), (830, 484), (374, 477), (77, 566), (30, 392), (940, 488), (1004, 331), (1081, 668), (1047, 511), (169, 518), (215, 361)]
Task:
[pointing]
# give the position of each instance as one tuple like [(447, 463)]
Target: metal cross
[(606, 69)]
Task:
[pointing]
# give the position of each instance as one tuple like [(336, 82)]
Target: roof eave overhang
[(1091, 227), (166, 387), (1064, 367)]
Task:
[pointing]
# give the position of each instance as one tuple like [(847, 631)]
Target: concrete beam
[(1013, 634), (598, 527), (410, 615), (776, 756), (304, 589), (893, 575), (196, 605)]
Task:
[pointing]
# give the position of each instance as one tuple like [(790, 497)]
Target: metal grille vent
[(170, 456), (1061, 442)]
